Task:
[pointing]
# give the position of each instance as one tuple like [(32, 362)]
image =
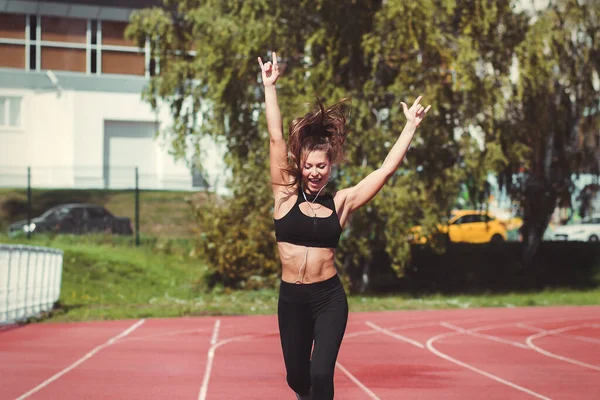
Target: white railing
[(30, 278)]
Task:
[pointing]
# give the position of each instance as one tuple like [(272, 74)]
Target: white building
[(70, 101)]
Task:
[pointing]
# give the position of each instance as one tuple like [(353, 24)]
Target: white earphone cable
[(299, 280)]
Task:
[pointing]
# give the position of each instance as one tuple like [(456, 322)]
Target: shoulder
[(285, 191), (285, 198), (346, 198), (341, 196), (341, 201), (345, 194)]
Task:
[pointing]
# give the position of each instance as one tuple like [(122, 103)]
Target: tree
[(552, 129), (321, 46), (457, 54)]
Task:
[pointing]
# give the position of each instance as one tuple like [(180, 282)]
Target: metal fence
[(75, 184), (99, 177), (30, 279)]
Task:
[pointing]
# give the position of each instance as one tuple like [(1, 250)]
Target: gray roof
[(112, 10), (108, 3)]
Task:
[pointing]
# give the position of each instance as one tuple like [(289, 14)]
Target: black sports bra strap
[(300, 198), (331, 204)]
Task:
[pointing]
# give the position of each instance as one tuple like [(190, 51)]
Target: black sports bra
[(298, 228)]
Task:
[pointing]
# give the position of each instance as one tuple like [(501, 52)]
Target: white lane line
[(394, 335), (491, 319), (531, 338), (438, 353), (360, 333), (576, 337), (474, 332), (215, 334), (209, 360), (531, 328), (415, 325), (400, 327), (161, 335), (211, 356), (436, 323), (82, 359), (357, 382), (582, 338)]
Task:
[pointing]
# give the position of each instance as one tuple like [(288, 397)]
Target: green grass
[(106, 278), (261, 302), (548, 297)]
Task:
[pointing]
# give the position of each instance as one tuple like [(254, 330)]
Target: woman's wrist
[(410, 126)]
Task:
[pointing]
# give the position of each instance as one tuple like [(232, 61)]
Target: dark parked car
[(74, 218)]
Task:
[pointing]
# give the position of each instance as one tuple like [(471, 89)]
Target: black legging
[(312, 312)]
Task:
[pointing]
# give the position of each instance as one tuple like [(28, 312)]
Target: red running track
[(508, 353)]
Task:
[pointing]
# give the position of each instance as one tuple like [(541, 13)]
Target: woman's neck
[(316, 193)]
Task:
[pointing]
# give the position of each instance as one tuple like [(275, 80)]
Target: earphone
[(317, 195), (299, 280)]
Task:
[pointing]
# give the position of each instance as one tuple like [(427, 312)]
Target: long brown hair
[(323, 129)]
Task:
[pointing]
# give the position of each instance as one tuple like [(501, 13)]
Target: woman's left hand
[(416, 113)]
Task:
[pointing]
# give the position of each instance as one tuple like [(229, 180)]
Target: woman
[(312, 308)]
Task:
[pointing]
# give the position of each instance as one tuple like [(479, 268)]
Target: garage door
[(128, 145)]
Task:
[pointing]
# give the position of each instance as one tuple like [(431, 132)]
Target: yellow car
[(470, 226)]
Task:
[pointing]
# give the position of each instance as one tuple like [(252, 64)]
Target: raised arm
[(366, 189), (277, 149)]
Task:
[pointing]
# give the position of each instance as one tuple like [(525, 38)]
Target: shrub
[(237, 240)]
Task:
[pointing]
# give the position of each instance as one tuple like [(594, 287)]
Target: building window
[(39, 42), (63, 30), (118, 62), (113, 34), (13, 45), (61, 59), (10, 112), (12, 26), (63, 43), (13, 55)]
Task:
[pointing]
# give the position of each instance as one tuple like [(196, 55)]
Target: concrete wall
[(62, 134)]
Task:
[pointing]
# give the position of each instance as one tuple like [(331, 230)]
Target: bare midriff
[(320, 263)]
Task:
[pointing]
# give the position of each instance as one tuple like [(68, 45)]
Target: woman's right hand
[(270, 71)]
